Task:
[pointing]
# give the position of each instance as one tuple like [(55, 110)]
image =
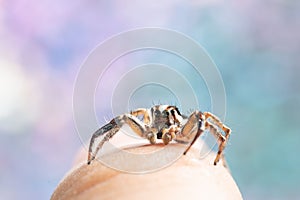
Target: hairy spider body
[(164, 122)]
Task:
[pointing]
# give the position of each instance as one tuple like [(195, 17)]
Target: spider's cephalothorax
[(164, 122), (162, 117)]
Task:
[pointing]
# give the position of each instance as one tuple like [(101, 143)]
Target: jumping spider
[(164, 122)]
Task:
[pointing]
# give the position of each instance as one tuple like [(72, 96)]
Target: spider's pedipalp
[(168, 134)]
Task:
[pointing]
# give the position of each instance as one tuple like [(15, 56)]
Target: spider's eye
[(165, 113), (156, 112)]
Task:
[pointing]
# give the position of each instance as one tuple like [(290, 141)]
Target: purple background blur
[(255, 44)]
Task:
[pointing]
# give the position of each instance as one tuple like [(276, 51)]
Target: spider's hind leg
[(221, 138), (218, 122)]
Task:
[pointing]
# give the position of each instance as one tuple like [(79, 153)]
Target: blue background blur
[(255, 44)]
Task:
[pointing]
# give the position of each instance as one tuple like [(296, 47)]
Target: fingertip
[(187, 175)]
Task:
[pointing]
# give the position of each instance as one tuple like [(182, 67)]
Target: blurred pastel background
[(255, 45)]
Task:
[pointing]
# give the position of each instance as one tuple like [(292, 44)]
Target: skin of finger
[(188, 178)]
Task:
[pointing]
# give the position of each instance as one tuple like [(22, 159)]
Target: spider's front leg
[(142, 112), (148, 132), (110, 129), (198, 123), (193, 128)]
